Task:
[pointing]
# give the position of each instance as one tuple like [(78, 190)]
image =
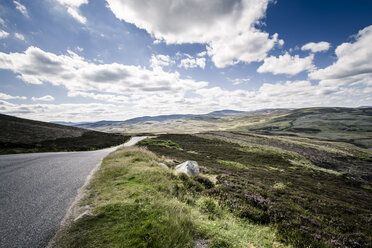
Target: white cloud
[(79, 49), (3, 34), (19, 36), (228, 28), (353, 65), (287, 64), (73, 9), (2, 22), (202, 54), (36, 66), (21, 8), (316, 47), (4, 96), (47, 98), (238, 81), (100, 97), (160, 60), (191, 62)]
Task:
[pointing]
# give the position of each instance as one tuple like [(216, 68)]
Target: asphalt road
[(36, 190)]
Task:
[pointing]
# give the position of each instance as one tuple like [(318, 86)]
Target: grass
[(161, 143), (313, 202), (232, 163), (136, 203)]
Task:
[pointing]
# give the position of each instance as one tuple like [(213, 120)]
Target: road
[(36, 190)]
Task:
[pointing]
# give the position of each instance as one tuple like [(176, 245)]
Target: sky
[(91, 60)]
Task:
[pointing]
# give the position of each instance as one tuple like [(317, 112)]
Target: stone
[(189, 167), (163, 166)]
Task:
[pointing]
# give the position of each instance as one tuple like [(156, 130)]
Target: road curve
[(37, 188)]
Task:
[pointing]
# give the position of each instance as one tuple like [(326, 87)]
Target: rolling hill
[(23, 135)]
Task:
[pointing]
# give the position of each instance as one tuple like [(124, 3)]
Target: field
[(315, 193)]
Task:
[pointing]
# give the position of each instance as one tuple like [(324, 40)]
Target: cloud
[(4, 96), (191, 62), (46, 98), (79, 49), (2, 22), (238, 81), (160, 60), (21, 8), (316, 47), (3, 34), (353, 65), (71, 71), (100, 97), (287, 64), (19, 36), (73, 8), (228, 28)]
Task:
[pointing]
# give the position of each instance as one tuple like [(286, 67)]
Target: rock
[(189, 167), (163, 166), (200, 243)]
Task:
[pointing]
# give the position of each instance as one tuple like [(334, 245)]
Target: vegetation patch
[(160, 142), (232, 163), (310, 207), (136, 203), (89, 140)]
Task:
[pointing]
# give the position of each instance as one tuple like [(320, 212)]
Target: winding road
[(36, 190)]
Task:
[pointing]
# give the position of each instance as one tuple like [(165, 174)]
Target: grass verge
[(136, 203)]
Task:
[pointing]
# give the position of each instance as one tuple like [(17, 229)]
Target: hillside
[(217, 120), (23, 135), (351, 125), (315, 193)]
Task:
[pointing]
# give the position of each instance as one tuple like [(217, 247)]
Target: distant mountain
[(226, 112), (159, 118)]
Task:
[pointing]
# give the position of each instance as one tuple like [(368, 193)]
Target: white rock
[(189, 167), (163, 165)]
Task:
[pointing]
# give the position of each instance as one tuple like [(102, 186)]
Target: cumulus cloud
[(73, 9), (238, 81), (47, 98), (353, 65), (36, 66), (191, 62), (100, 97), (21, 8), (316, 47), (287, 64), (228, 28), (160, 60), (4, 96), (3, 34), (19, 36)]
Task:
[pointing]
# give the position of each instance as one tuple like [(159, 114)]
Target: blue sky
[(90, 60)]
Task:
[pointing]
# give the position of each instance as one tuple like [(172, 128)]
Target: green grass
[(232, 163), (136, 203), (159, 142), (313, 202)]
